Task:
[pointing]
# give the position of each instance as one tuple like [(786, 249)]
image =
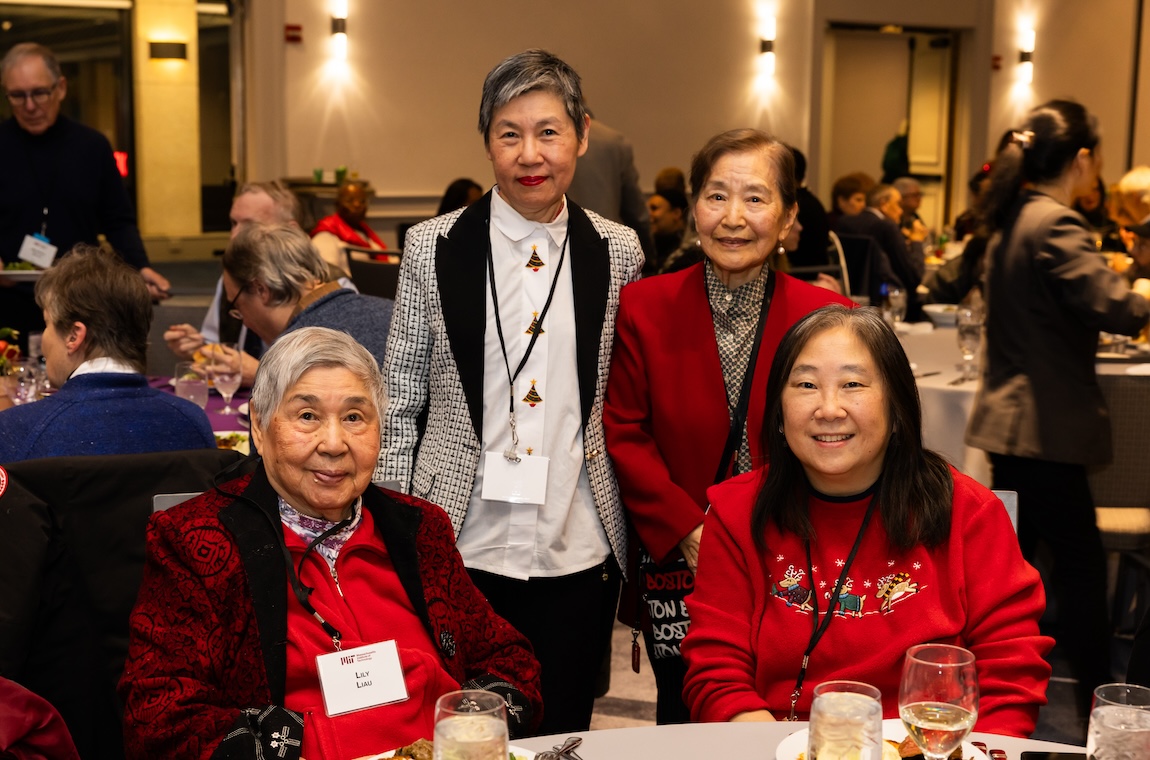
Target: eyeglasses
[(233, 312), (39, 96)]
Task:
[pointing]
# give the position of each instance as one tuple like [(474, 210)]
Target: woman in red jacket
[(853, 545), (688, 375)]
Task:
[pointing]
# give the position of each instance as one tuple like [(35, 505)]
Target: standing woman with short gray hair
[(504, 322)]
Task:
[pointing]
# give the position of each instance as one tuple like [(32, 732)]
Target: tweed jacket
[(433, 363), (1048, 293)]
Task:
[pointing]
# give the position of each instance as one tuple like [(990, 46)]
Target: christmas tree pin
[(532, 398), (535, 327), (535, 262)]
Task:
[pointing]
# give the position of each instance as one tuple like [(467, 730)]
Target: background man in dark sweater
[(60, 180)]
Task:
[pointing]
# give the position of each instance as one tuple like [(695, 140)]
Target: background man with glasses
[(59, 181)]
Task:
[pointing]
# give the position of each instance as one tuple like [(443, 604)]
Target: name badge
[(38, 251), (522, 482), (360, 678)]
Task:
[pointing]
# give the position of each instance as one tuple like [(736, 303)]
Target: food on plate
[(14, 266), (235, 441), (422, 750)]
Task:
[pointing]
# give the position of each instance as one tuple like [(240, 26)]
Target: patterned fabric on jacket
[(206, 665), (434, 358)]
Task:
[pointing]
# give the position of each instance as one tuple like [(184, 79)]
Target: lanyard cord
[(302, 592), (739, 414), (512, 453), (817, 629)]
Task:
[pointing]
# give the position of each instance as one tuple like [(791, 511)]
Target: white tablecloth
[(726, 740)]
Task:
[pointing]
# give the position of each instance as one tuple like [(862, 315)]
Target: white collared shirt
[(565, 535), (105, 364)]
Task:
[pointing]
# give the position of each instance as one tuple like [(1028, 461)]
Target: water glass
[(471, 725), (191, 383), (894, 309), (26, 382), (938, 697), (1119, 723), (846, 722), (224, 370), (969, 324)]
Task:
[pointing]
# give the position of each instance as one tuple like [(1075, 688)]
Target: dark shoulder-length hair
[(915, 489), (1038, 151)]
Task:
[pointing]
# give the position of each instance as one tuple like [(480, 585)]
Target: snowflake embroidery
[(839, 562), (281, 740), (779, 558), (814, 569), (822, 584), (866, 584), (917, 565), (890, 563)]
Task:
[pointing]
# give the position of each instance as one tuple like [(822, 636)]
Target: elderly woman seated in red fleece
[(258, 594)]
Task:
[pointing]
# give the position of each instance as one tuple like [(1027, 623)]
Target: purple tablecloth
[(221, 423)]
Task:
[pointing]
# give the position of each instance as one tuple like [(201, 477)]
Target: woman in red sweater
[(853, 545)]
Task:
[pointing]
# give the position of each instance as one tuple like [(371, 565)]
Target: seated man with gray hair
[(275, 282), (98, 311)]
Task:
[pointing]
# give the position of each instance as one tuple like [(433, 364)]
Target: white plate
[(23, 275), (892, 728), (243, 409), (519, 752)]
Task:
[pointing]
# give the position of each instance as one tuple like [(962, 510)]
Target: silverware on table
[(564, 752)]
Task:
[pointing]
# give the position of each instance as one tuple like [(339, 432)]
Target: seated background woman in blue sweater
[(98, 312)]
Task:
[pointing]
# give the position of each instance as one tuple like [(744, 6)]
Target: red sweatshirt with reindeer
[(752, 613)]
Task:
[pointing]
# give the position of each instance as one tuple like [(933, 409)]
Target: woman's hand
[(1141, 286), (690, 547), (754, 716)]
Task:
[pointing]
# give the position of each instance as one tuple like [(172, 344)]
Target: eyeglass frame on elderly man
[(39, 95), (232, 311)]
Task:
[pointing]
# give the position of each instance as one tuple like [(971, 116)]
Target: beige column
[(167, 119)]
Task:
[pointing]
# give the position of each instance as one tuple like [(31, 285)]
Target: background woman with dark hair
[(1040, 412), (854, 544), (459, 194)]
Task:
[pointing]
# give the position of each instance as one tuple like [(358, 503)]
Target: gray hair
[(287, 208), (18, 52), (527, 72), (307, 348), (879, 194), (907, 185), (280, 256)]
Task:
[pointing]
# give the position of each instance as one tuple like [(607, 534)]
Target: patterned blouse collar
[(310, 528), (746, 297)]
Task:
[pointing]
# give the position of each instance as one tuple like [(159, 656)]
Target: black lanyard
[(818, 630), (739, 416), (512, 453), (302, 592)]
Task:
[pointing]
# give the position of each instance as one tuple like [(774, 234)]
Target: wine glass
[(471, 725), (1119, 722), (846, 721), (191, 383), (969, 323), (225, 372), (938, 697), (896, 305)]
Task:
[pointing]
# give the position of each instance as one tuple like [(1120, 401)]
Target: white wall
[(668, 73)]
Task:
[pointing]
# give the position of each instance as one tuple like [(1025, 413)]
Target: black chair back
[(861, 253), (373, 278), (72, 558)]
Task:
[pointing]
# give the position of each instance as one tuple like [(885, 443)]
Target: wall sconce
[(1026, 57), (168, 51), (767, 45), (339, 30)]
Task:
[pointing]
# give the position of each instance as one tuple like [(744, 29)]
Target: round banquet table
[(734, 740), (221, 423)]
